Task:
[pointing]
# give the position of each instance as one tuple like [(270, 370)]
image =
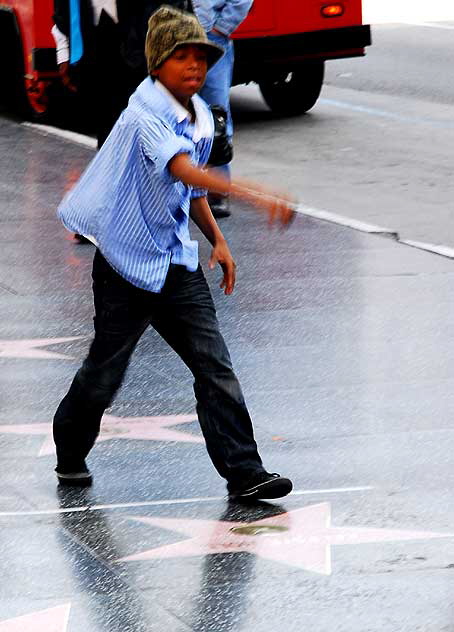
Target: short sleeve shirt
[(128, 201)]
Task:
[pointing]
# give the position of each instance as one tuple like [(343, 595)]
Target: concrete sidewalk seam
[(175, 501), (380, 231), (74, 137)]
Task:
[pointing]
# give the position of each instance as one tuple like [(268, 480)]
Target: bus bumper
[(255, 55)]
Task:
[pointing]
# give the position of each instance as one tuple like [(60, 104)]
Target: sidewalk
[(343, 345)]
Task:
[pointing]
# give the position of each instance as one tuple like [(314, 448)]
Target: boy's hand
[(221, 254), (279, 206)]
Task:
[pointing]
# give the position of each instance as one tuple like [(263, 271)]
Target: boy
[(134, 202)]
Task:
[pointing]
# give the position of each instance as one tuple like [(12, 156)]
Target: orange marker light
[(332, 10)]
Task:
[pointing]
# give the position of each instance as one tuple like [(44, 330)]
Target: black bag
[(222, 149)]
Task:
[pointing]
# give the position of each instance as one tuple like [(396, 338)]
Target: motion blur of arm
[(277, 206)]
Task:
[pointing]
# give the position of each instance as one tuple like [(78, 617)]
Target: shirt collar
[(203, 126), (180, 111)]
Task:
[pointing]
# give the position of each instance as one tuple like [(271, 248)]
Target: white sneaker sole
[(79, 479)]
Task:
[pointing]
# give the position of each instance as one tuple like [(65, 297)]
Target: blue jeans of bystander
[(216, 90)]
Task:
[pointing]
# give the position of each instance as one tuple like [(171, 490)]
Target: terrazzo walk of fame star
[(49, 620), (31, 348), (301, 538), (139, 428)]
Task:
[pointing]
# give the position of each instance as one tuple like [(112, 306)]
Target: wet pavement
[(343, 344)]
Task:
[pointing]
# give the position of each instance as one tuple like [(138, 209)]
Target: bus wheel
[(295, 92)]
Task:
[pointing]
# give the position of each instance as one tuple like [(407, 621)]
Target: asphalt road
[(410, 61), (377, 146)]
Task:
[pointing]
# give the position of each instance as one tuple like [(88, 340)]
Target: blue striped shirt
[(128, 201)]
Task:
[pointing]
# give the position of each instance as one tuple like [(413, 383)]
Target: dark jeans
[(183, 314)]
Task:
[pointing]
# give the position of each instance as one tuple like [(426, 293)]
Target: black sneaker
[(263, 485), (74, 476)]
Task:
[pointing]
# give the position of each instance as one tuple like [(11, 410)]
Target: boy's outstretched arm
[(277, 206), (202, 216)]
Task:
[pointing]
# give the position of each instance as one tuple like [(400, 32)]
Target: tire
[(294, 93)]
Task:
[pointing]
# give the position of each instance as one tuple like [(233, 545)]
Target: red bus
[(282, 45)]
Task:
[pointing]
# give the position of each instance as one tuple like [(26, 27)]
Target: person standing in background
[(87, 39), (220, 18), (87, 34), (100, 52)]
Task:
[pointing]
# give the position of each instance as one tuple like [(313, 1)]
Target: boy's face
[(184, 72)]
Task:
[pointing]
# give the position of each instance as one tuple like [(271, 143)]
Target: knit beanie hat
[(169, 28)]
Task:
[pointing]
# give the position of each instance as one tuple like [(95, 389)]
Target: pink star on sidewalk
[(50, 620), (148, 428), (30, 348), (140, 428), (301, 538)]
